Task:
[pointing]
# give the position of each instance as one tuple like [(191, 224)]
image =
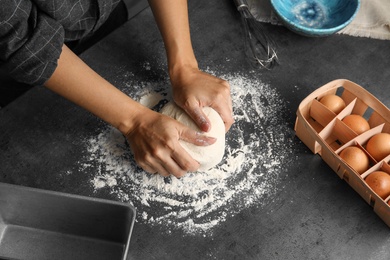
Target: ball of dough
[(207, 156)]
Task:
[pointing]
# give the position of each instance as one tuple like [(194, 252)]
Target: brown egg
[(379, 182), (356, 158), (379, 146), (357, 123), (333, 102)]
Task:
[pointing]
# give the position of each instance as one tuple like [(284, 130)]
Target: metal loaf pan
[(39, 224)]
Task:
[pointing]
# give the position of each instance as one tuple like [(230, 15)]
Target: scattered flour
[(258, 147), (150, 99)]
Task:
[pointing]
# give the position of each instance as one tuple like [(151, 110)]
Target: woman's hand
[(154, 140), (153, 137), (194, 89)]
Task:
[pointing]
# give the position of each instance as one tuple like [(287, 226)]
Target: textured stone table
[(309, 213)]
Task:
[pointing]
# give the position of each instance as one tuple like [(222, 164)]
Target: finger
[(166, 162), (196, 138), (152, 165), (227, 116), (203, 122), (224, 108), (162, 170), (148, 168), (176, 169), (199, 117), (184, 161)]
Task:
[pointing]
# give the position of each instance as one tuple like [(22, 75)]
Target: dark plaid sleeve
[(32, 33)]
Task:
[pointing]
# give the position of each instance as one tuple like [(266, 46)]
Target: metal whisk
[(258, 45)]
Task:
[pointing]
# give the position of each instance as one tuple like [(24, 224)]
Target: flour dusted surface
[(257, 150)]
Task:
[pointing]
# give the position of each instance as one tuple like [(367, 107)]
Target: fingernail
[(204, 124), (212, 140)]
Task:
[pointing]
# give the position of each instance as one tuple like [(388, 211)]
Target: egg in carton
[(323, 128)]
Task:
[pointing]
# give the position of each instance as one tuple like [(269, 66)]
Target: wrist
[(181, 70), (180, 56), (129, 119)]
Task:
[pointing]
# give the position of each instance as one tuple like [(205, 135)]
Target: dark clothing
[(32, 33)]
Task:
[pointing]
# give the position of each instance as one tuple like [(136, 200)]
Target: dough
[(207, 156)]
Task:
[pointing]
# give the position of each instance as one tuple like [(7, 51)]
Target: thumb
[(196, 138)]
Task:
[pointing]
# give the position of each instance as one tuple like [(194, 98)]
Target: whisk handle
[(241, 4)]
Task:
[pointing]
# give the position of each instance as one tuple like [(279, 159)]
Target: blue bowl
[(316, 17)]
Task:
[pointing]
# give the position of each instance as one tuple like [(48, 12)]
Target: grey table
[(311, 213)]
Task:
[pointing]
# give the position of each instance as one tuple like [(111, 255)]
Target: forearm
[(77, 82), (172, 19), (192, 88)]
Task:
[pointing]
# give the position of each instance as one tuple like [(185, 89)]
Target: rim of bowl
[(317, 30)]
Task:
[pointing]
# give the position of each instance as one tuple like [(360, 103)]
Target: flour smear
[(258, 148)]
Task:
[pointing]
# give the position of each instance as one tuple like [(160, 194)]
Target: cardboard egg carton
[(324, 133)]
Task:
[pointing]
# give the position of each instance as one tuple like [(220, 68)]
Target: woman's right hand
[(154, 140)]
